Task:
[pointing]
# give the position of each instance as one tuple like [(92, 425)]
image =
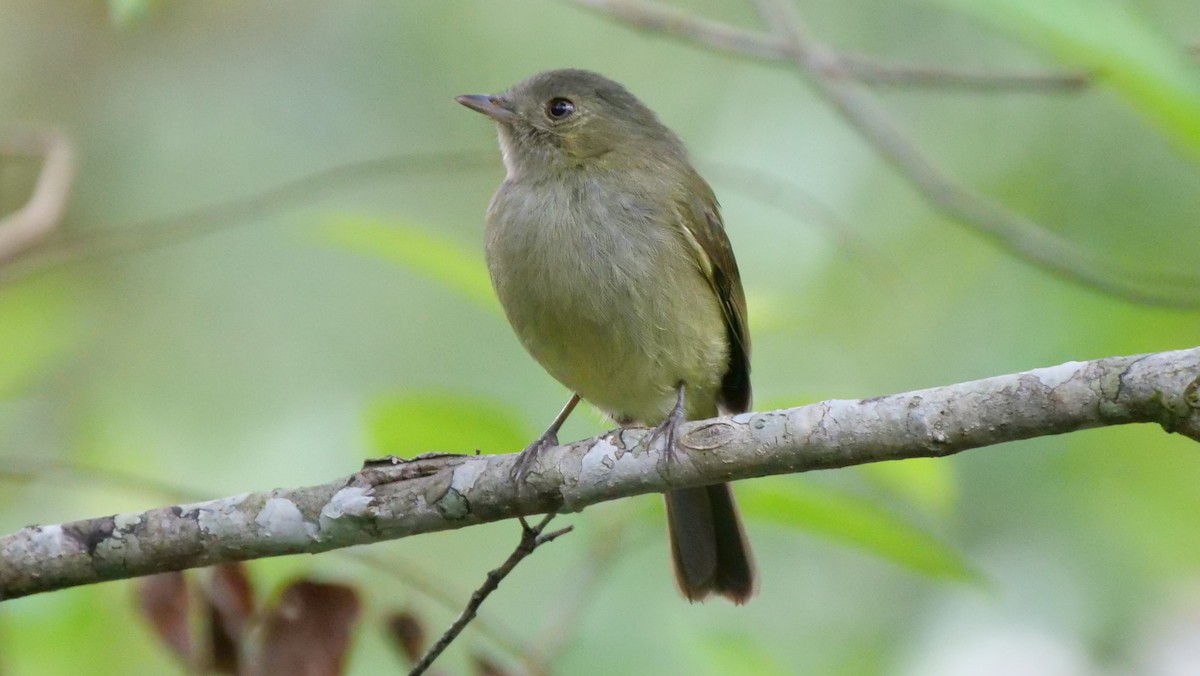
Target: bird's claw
[(670, 428), (528, 457)]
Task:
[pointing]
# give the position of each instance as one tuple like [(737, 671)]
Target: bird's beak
[(491, 105)]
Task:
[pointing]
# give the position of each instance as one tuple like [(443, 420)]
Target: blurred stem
[(870, 70), (24, 228), (103, 243)]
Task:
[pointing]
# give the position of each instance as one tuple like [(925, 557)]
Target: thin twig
[(30, 224), (437, 590), (870, 70), (532, 537)]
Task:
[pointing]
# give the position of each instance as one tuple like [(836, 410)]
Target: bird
[(609, 256)]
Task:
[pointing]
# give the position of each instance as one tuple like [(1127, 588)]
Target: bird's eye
[(560, 109)]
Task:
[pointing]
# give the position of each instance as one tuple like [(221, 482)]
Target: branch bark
[(444, 492)]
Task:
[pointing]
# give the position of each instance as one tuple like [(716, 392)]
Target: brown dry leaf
[(408, 633), (230, 597), (307, 633), (484, 666), (163, 601)]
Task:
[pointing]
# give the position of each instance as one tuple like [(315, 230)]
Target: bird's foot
[(524, 464), (528, 457), (670, 428)]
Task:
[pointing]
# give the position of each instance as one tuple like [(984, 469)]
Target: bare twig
[(385, 503), (437, 590), (659, 18), (25, 227), (532, 537)]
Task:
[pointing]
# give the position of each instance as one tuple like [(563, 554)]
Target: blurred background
[(202, 326)]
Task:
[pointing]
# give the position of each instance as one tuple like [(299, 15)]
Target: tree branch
[(443, 492)]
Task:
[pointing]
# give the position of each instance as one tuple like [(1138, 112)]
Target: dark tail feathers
[(708, 545)]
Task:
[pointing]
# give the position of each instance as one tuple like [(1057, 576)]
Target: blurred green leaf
[(126, 12), (439, 259), (770, 312), (409, 424), (37, 325), (927, 483), (1113, 40), (852, 521), (736, 653)]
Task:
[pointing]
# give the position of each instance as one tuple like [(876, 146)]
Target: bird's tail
[(708, 545)]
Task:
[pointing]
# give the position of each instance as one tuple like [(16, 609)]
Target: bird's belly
[(620, 322)]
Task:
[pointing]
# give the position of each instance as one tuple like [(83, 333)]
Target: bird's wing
[(700, 216)]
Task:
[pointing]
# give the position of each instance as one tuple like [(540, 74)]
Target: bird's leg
[(549, 438), (670, 425)]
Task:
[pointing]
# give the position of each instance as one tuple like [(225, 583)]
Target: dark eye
[(560, 109)]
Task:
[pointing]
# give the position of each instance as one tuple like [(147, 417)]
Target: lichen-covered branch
[(443, 492)]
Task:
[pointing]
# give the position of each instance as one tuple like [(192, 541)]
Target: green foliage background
[(282, 349)]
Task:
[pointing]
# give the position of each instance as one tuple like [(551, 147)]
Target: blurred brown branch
[(870, 70), (446, 492), (30, 224)]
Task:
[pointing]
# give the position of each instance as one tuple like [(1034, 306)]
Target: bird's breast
[(604, 293)]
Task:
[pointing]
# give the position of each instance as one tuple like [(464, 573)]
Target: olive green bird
[(609, 256)]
